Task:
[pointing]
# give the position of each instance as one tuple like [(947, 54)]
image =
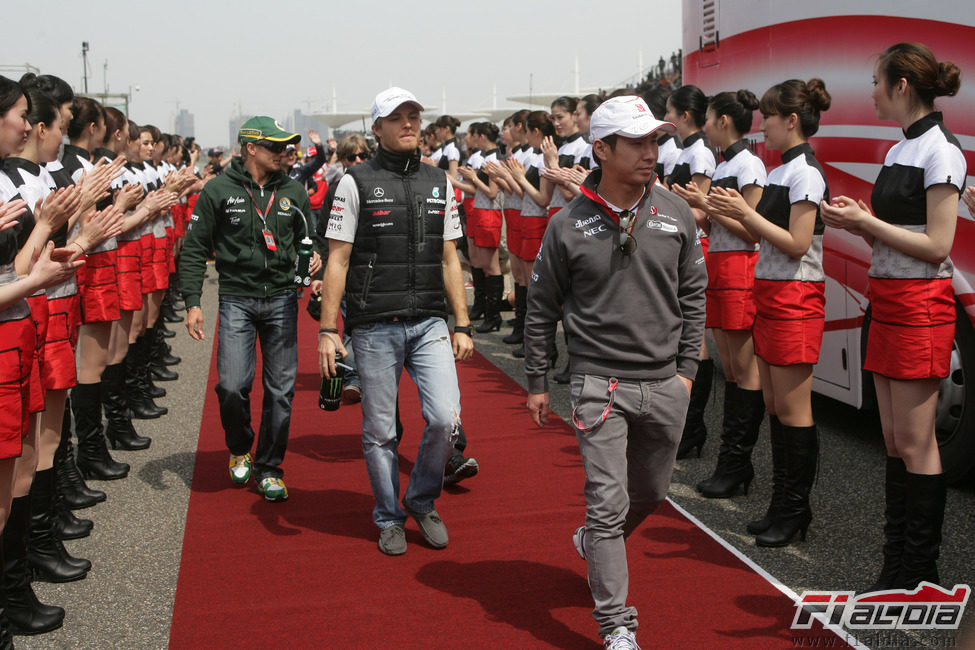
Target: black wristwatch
[(464, 329)]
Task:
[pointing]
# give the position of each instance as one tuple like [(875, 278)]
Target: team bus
[(732, 44)]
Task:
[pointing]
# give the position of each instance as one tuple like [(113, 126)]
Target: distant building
[(183, 124), (298, 122), (234, 124)]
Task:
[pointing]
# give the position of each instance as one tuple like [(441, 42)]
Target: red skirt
[(512, 224), (467, 204), (148, 274), (39, 314), (912, 328), (56, 357), (532, 231), (98, 287), (484, 227), (789, 320), (160, 263), (731, 280), (170, 247), (130, 275), (18, 340)]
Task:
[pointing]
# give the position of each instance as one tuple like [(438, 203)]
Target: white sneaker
[(620, 639), (240, 468), (579, 541)]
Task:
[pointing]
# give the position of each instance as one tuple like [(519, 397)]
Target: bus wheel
[(955, 418)]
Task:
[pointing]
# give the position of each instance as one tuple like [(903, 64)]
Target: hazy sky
[(211, 56)]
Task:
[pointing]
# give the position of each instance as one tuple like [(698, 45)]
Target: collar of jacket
[(239, 173), (400, 163)]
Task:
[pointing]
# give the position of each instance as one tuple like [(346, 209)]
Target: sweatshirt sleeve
[(546, 292), (196, 249), (692, 280)]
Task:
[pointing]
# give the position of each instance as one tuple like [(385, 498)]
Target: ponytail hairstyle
[(10, 93), (59, 89), (656, 99), (448, 122), (540, 120), (928, 77), (489, 130), (690, 99), (520, 118), (133, 132), (43, 110), (590, 103), (807, 99), (566, 103), (86, 111), (114, 121), (737, 106)]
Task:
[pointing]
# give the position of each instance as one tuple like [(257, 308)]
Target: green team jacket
[(226, 222)]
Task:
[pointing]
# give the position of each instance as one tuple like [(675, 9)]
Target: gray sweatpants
[(629, 459)]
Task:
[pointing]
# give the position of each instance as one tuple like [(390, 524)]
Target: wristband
[(464, 329), (328, 330), (194, 307)]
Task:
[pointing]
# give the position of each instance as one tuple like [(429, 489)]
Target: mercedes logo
[(378, 192)]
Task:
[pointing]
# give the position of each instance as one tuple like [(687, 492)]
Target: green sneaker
[(273, 489), (240, 468)]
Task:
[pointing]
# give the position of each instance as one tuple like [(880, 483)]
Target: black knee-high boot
[(27, 615), (118, 428), (493, 291), (477, 308), (47, 557), (517, 335), (94, 461), (780, 470), (66, 524), (802, 452), (137, 383), (74, 490), (695, 431), (895, 521), (738, 438), (925, 514)]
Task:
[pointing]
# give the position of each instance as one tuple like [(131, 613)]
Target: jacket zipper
[(411, 243), (368, 281), (421, 236)]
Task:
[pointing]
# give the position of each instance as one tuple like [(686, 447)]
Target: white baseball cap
[(390, 99), (628, 116)]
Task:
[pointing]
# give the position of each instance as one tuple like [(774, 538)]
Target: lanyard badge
[(265, 231)]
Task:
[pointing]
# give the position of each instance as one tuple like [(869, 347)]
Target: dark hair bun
[(949, 79), (747, 99), (818, 96)]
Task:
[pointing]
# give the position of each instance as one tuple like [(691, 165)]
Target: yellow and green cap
[(265, 128)]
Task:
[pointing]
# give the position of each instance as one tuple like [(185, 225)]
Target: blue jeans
[(244, 321), (382, 350)]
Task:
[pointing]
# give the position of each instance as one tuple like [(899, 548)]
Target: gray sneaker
[(392, 540), (431, 527)]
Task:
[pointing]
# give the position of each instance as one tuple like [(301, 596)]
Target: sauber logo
[(928, 607)]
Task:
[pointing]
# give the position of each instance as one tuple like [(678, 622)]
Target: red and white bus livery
[(754, 44)]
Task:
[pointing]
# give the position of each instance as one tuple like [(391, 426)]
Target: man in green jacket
[(252, 218)]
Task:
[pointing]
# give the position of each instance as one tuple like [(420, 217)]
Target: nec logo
[(594, 230)]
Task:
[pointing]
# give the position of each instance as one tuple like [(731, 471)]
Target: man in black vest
[(392, 236)]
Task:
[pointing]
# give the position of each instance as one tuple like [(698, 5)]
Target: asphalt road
[(126, 601)]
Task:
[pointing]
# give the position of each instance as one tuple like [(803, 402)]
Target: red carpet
[(307, 573)]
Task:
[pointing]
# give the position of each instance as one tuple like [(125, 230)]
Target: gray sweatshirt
[(635, 317)]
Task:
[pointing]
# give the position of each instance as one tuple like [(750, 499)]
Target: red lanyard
[(267, 210)]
